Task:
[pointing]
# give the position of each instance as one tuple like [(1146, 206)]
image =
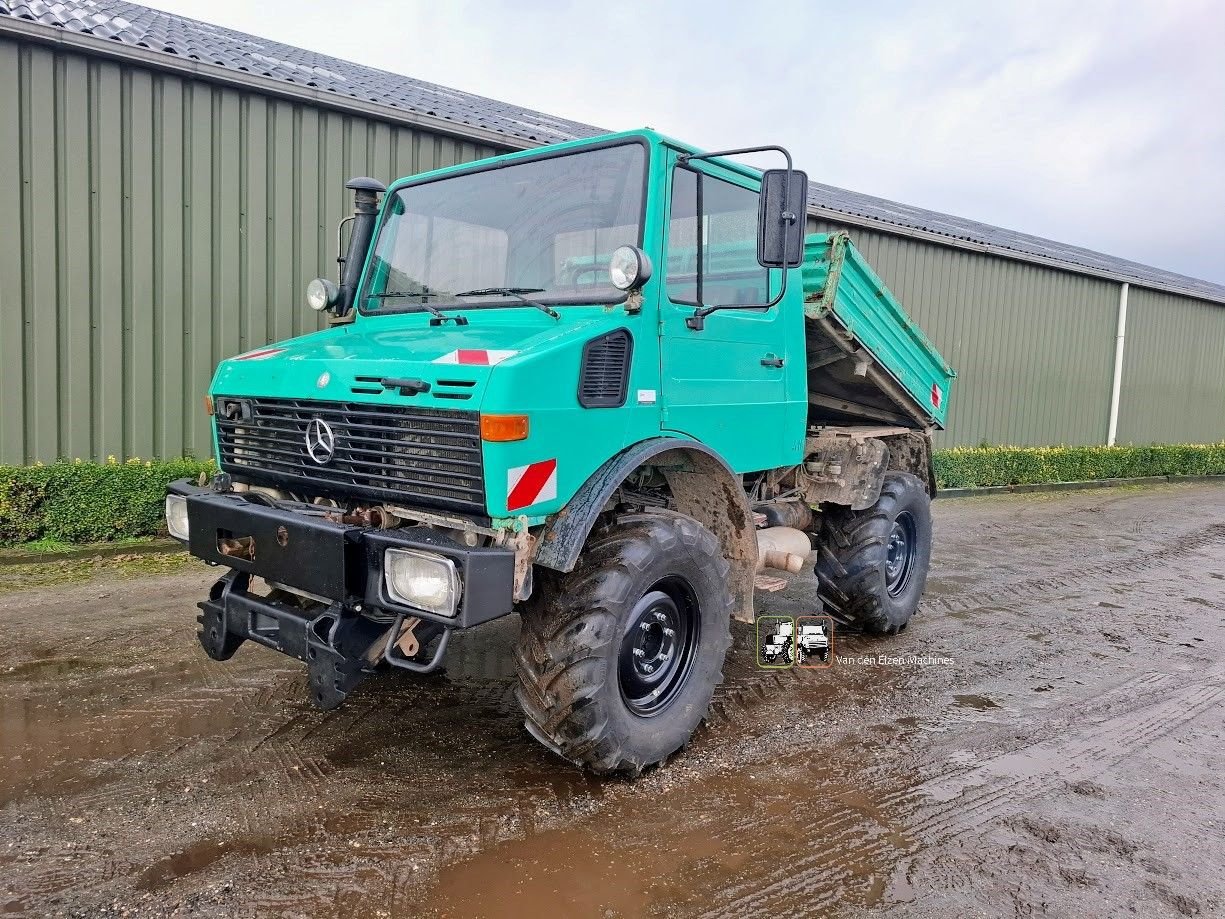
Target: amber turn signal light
[(502, 428), (208, 406)]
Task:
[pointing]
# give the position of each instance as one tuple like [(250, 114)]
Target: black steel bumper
[(340, 562), (341, 565)]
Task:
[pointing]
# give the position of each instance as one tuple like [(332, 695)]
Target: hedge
[(94, 502), (88, 502), (973, 467)]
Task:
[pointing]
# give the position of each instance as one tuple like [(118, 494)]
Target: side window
[(712, 243), (682, 269)]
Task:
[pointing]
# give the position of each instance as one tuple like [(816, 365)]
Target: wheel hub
[(657, 648), (899, 554)]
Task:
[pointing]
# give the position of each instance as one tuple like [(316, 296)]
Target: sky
[(1100, 124)]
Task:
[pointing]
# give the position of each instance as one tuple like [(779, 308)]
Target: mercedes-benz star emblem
[(320, 441)]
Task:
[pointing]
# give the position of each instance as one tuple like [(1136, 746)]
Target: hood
[(356, 362)]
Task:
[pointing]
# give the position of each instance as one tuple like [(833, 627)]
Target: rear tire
[(872, 564), (618, 660)]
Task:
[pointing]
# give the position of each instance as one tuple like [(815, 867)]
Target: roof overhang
[(1016, 255), (214, 73)]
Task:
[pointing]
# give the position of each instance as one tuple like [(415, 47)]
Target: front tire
[(872, 564), (618, 660)]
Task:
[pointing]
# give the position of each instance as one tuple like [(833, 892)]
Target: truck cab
[(547, 376)]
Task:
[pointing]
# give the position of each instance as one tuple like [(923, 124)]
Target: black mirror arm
[(788, 215), (697, 321)]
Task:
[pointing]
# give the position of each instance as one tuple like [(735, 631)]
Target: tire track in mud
[(853, 844), (1082, 578), (418, 775), (950, 805)]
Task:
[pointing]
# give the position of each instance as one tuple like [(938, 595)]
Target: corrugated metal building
[(171, 186)]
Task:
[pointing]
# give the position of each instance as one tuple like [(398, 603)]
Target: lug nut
[(638, 652)]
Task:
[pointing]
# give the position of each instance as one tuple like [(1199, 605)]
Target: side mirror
[(781, 218)]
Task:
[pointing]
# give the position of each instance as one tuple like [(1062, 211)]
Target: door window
[(712, 242)]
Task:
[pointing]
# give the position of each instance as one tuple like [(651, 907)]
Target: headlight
[(629, 267), (422, 579), (176, 516), (321, 294)]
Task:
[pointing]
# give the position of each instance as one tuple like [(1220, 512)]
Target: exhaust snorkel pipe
[(366, 193)]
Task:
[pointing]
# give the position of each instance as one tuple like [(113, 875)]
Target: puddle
[(50, 668), (198, 857), (978, 703), (808, 830), (49, 747)]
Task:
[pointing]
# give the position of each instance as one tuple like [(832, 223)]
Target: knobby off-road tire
[(872, 564), (585, 693)]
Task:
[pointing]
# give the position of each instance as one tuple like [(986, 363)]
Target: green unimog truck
[(608, 385)]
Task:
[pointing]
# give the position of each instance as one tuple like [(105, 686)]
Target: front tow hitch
[(339, 647)]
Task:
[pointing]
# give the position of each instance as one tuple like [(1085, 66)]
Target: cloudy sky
[(1096, 123)]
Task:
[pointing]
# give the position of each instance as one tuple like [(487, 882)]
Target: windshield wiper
[(516, 292), (422, 296)]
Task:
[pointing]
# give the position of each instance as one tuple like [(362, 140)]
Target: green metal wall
[(1173, 370), (1033, 347), (151, 226)]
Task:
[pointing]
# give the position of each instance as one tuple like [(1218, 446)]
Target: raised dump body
[(867, 359)]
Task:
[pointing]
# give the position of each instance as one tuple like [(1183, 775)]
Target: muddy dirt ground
[(1057, 748)]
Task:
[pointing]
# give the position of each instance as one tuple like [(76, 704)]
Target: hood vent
[(370, 386), (454, 389), (605, 372)]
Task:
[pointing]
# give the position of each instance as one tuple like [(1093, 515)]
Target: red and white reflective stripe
[(478, 356), (936, 395), (259, 355), (528, 485)]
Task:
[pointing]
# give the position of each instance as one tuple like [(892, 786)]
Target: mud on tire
[(872, 564), (601, 682)]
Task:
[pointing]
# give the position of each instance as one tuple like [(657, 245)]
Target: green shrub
[(88, 502), (76, 502), (974, 467)]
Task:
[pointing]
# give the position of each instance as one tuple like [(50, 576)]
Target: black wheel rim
[(658, 648), (900, 553)]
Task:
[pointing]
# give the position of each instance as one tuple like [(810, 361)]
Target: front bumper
[(340, 562), (356, 626)]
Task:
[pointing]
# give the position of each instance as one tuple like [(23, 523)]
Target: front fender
[(703, 487)]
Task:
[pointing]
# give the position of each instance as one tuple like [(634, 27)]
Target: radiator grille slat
[(425, 457)]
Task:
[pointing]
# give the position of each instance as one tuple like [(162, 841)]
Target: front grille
[(413, 456)]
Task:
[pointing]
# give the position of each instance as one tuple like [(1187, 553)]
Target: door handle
[(771, 362)]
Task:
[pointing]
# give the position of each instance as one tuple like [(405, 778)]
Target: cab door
[(727, 383)]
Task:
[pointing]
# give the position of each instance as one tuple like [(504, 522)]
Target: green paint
[(709, 385)]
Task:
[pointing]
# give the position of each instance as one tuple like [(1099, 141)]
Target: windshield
[(545, 226)]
